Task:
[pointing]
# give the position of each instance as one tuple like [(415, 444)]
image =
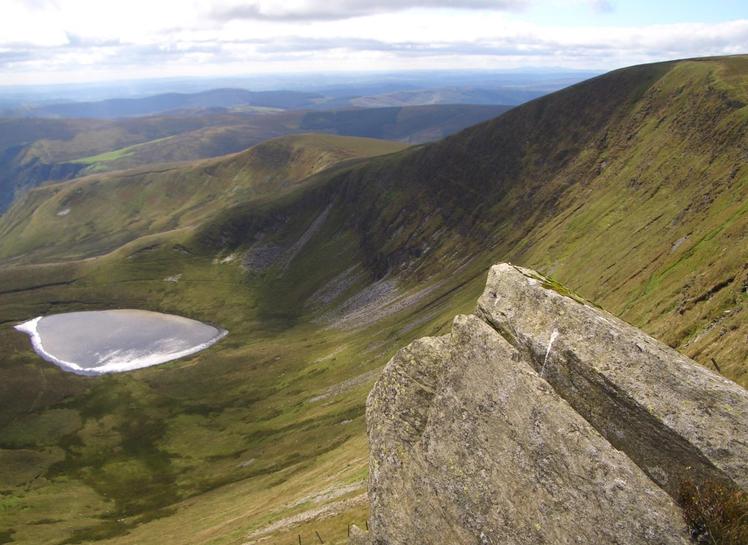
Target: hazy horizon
[(45, 42), (330, 84)]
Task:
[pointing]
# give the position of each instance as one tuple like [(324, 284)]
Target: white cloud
[(56, 40), (310, 10)]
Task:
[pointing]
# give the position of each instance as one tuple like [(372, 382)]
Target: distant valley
[(33, 151)]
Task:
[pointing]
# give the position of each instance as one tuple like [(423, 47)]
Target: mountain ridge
[(494, 199), (227, 97), (36, 151)]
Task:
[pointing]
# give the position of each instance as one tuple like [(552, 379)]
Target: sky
[(67, 41)]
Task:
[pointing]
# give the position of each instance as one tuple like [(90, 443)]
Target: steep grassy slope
[(630, 188), (98, 213)]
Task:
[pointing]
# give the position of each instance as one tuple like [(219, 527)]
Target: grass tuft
[(715, 514)]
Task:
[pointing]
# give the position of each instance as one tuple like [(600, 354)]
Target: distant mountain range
[(331, 85), (216, 98), (243, 100), (448, 95)]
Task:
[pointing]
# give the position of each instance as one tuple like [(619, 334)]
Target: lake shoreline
[(31, 328)]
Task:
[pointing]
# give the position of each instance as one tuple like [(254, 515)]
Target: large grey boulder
[(677, 420), (470, 445), (543, 419)]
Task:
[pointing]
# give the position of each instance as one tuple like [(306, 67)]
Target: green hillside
[(35, 151), (96, 214), (631, 189)]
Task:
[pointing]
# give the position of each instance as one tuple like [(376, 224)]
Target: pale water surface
[(112, 341)]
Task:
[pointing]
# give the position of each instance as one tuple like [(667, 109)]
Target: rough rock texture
[(542, 419), (358, 536), (677, 420)]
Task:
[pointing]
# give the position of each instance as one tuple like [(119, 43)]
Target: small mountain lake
[(114, 341)]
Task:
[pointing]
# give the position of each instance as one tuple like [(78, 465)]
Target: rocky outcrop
[(677, 420), (542, 419)]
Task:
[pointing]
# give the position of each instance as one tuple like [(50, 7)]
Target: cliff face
[(542, 419)]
